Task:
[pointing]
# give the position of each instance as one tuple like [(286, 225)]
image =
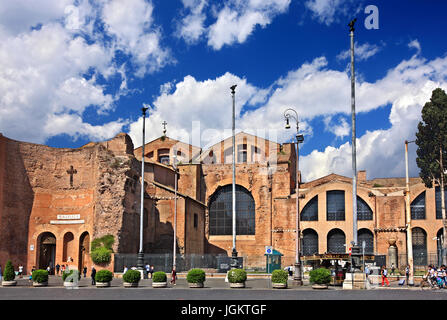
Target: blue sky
[(75, 71)]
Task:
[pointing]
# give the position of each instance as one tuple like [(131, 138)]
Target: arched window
[(221, 215), (336, 241), (418, 207), (364, 212), (310, 210), (310, 242), (438, 201), (368, 237), (335, 205), (419, 237)]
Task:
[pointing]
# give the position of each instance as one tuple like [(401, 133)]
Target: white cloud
[(330, 11), (362, 52), (416, 45), (52, 58), (234, 22)]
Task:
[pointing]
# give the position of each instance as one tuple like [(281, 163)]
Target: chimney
[(361, 175)]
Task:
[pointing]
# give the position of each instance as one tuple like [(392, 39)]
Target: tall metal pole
[(174, 260), (234, 263), (140, 256), (297, 278), (408, 218), (354, 160)]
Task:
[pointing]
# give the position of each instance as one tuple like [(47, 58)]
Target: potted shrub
[(237, 278), (279, 279), (9, 275), (69, 278), (103, 278), (320, 278), (195, 278), (40, 278), (159, 280), (131, 278)]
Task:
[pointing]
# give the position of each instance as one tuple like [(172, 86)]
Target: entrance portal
[(47, 251), (84, 249)]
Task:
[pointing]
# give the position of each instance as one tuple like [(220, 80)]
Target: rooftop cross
[(164, 127)]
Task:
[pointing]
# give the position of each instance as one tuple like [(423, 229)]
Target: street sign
[(268, 249)]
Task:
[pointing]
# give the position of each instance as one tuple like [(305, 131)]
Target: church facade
[(54, 202)]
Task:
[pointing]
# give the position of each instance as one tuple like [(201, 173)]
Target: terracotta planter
[(130, 284), (159, 284), (40, 284), (319, 286), (279, 285), (11, 283), (237, 285), (102, 284), (195, 285)]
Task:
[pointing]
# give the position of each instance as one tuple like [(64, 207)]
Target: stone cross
[(71, 171), (164, 127)]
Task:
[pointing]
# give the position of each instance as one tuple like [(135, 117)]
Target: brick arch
[(309, 248), (335, 236)]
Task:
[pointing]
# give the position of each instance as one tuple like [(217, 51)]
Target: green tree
[(431, 140)]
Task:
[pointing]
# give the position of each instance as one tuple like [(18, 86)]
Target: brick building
[(55, 201)]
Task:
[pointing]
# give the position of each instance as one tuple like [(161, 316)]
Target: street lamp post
[(355, 250), (234, 262), (408, 218), (140, 256), (174, 256), (297, 279)]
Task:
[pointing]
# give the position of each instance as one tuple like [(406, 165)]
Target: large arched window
[(221, 216), (310, 242), (419, 237), (438, 201), (418, 207), (367, 236), (310, 210), (364, 212), (336, 241), (335, 205)]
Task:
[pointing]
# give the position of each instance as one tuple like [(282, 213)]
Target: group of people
[(437, 276)]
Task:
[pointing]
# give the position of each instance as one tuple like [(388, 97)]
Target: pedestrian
[(407, 273), (173, 276), (84, 271), (93, 276), (384, 273), (63, 269), (31, 274), (151, 271), (20, 271), (147, 267), (48, 269), (366, 271), (57, 268), (125, 269), (392, 269)]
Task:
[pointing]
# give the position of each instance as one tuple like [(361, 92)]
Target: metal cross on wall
[(71, 171)]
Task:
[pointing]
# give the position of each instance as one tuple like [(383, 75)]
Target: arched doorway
[(419, 237), (84, 249), (68, 249), (310, 242), (46, 243), (336, 241), (367, 236)]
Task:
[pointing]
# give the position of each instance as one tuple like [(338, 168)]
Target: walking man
[(93, 276), (384, 274)]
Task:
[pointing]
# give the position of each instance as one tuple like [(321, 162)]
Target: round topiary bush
[(159, 276), (104, 276), (40, 276), (280, 276), (195, 276), (237, 276), (8, 273), (69, 276), (101, 255), (132, 276), (320, 276)]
